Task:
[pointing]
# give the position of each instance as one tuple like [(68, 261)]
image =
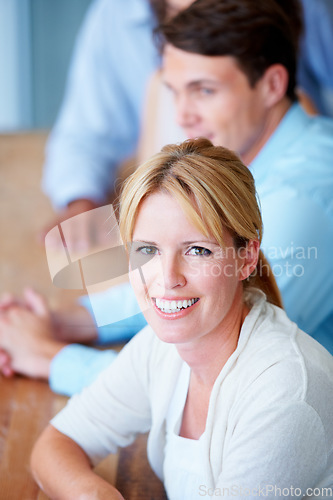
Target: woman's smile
[(174, 308)]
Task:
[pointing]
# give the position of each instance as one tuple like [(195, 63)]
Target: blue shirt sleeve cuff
[(76, 366), (118, 301)]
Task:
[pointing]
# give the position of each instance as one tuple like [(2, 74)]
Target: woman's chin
[(170, 331)]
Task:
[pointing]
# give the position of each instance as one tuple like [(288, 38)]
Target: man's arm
[(42, 344), (76, 366), (99, 121), (315, 65), (298, 241)]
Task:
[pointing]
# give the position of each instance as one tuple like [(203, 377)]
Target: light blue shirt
[(294, 180), (315, 65), (99, 122)]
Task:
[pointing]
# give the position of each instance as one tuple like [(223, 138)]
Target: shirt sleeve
[(76, 366), (298, 239), (115, 408), (98, 123), (315, 65), (108, 307)]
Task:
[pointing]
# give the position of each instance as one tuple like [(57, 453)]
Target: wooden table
[(26, 406)]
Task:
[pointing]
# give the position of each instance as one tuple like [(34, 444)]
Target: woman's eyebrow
[(212, 242), (145, 242), (184, 243)]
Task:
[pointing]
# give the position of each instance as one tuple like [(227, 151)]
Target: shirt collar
[(288, 130), (141, 13)]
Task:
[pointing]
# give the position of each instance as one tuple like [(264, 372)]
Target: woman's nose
[(173, 274)]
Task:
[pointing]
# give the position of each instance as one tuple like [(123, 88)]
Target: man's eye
[(147, 250), (200, 251), (206, 91)]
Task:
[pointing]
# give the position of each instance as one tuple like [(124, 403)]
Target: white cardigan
[(269, 425)]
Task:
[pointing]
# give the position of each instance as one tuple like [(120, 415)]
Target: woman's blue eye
[(147, 250), (201, 251)]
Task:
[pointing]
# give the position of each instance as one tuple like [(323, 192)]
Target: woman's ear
[(248, 257)]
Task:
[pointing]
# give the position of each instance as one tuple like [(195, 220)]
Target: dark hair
[(160, 9), (258, 33)]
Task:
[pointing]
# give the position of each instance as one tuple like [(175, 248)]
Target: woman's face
[(193, 288)]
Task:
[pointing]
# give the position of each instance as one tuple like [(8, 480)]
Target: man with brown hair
[(231, 67)]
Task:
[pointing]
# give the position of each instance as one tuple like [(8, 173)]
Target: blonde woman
[(237, 399)]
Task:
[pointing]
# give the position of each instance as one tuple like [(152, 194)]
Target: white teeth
[(172, 306)]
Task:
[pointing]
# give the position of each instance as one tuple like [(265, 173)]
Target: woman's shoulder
[(274, 352)]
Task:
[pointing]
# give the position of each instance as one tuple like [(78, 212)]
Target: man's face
[(214, 99), (175, 6)]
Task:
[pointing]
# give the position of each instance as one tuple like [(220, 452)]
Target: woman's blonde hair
[(216, 191)]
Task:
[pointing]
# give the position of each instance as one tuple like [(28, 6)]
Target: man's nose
[(185, 115)]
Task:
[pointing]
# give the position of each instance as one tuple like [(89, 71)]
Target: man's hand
[(8, 300), (81, 234), (5, 364), (26, 337), (74, 326)]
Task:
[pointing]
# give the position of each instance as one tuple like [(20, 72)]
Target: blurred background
[(36, 43)]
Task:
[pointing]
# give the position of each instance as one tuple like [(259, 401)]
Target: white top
[(269, 422), (181, 453)]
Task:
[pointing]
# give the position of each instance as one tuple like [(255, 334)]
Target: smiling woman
[(209, 249), (236, 398)]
